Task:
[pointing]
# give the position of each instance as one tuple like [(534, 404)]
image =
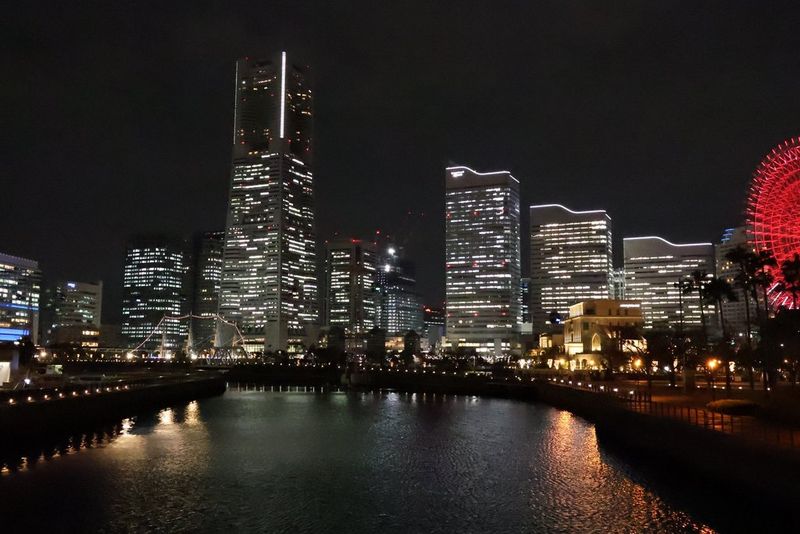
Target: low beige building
[(599, 325)]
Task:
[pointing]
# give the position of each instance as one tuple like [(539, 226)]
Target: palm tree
[(745, 261), (790, 269), (764, 262), (697, 284), (717, 292)]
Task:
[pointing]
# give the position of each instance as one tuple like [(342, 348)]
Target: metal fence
[(744, 426)]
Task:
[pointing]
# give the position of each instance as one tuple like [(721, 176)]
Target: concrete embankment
[(733, 466), (41, 412)]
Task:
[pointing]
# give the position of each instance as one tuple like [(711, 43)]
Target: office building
[(399, 305), (734, 313), (653, 268), (156, 291), (618, 283), (482, 254), (526, 328), (433, 323), (207, 277), (570, 260), (71, 314), (350, 297), (269, 283), (20, 287)]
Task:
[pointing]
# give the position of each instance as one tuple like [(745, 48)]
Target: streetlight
[(637, 364), (712, 364)]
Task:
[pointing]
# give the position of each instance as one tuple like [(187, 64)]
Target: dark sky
[(117, 115)]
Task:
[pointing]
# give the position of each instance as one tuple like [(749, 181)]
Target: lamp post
[(637, 364), (712, 364)]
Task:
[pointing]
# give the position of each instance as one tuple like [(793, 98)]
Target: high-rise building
[(618, 283), (433, 323), (71, 313), (156, 284), (207, 278), (482, 254), (20, 286), (350, 297), (734, 313), (526, 328), (571, 260), (653, 268), (269, 285), (399, 306)]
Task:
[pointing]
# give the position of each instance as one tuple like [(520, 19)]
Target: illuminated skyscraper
[(350, 299), (71, 313), (734, 313), (571, 260), (20, 284), (482, 261), (207, 278), (268, 279), (653, 267), (156, 283), (399, 305)]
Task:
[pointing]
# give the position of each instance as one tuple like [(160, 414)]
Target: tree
[(617, 338), (697, 283), (745, 261), (790, 269), (780, 343), (717, 292), (764, 262)]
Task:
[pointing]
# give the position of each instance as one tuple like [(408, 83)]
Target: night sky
[(117, 116)]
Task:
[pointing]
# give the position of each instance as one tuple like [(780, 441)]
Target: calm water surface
[(338, 462)]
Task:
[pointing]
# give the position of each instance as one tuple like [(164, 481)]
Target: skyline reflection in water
[(269, 461)]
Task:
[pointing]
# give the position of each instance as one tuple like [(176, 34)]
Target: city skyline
[(557, 154)]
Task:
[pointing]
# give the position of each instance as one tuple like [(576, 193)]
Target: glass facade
[(268, 282), (207, 278), (351, 297), (653, 267), (399, 306), (735, 313), (71, 314), (156, 286), (482, 254), (571, 260), (20, 286)]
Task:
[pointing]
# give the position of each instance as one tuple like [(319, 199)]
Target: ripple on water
[(345, 462)]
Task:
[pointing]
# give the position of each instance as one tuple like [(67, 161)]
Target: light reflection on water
[(275, 461)]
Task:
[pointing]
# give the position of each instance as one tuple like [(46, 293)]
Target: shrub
[(733, 407)]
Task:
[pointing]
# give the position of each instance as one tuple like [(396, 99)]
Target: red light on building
[(773, 210)]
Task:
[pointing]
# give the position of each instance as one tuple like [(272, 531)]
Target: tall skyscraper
[(350, 299), (156, 283), (71, 314), (734, 313), (653, 267), (20, 286), (207, 278), (571, 260), (269, 283), (618, 283), (482, 254), (526, 328), (399, 305)]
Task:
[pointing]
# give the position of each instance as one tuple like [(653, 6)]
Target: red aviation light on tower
[(773, 210)]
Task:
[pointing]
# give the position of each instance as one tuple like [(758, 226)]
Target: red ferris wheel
[(773, 209)]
